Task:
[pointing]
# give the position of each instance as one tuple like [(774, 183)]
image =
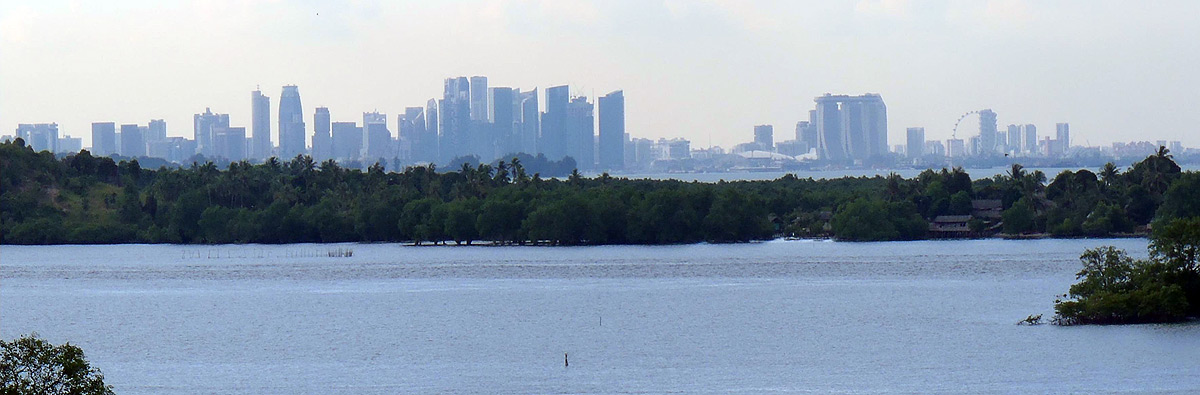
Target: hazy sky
[(706, 70)]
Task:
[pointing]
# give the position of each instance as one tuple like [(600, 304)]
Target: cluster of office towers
[(44, 137), (470, 119), (841, 129), (1014, 141)]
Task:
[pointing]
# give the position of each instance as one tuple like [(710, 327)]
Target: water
[(781, 316), (976, 173)]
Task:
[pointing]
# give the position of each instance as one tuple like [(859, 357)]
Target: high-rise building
[(1029, 139), (580, 137), (955, 148), (291, 123), (104, 138), (260, 125), (156, 131), (935, 147), (612, 130), (347, 141), (554, 123), (851, 127), (174, 149), (987, 133), (1064, 136), (916, 142), (531, 122), (455, 112), (322, 141), (39, 136), (203, 125), (806, 132), (377, 139), (764, 137), (412, 136), (503, 122), (672, 149), (132, 143), (229, 143), (1014, 139), (70, 144), (432, 132), (479, 99)]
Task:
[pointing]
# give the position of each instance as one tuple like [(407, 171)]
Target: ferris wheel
[(954, 132)]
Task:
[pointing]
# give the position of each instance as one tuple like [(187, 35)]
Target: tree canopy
[(81, 198), (31, 365)]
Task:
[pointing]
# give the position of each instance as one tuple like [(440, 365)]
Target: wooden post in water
[(566, 362)]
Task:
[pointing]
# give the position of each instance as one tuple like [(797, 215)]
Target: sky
[(705, 70)]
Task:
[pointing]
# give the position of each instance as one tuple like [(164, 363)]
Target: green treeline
[(86, 199)]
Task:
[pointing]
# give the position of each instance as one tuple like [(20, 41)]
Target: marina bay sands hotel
[(850, 128)]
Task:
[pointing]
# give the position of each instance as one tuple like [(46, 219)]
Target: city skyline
[(1033, 63)]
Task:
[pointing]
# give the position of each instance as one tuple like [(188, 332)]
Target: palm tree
[(1108, 175), (1017, 172)]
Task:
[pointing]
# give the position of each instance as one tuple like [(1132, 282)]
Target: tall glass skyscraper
[(291, 123), (322, 141), (260, 125), (612, 130), (455, 122), (552, 142), (479, 99)]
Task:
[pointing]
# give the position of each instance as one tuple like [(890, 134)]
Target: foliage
[(865, 219), (1114, 288), (86, 199), (32, 365)]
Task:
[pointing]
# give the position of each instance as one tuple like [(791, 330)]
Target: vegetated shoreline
[(81, 199)]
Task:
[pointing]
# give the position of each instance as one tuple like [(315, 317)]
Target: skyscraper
[(987, 133), (322, 141), (764, 137), (806, 132), (916, 142), (432, 131), (554, 123), (377, 139), (260, 125), (580, 137), (156, 131), (1029, 139), (851, 127), (40, 136), (203, 125), (506, 138), (229, 143), (455, 123), (70, 144), (612, 130), (479, 99), (291, 123), (132, 143), (1014, 139), (1064, 136), (531, 122), (347, 141), (410, 127), (104, 138)]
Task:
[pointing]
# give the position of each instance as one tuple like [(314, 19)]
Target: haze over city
[(707, 71)]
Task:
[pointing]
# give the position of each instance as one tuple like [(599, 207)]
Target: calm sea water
[(976, 173), (782, 316)]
